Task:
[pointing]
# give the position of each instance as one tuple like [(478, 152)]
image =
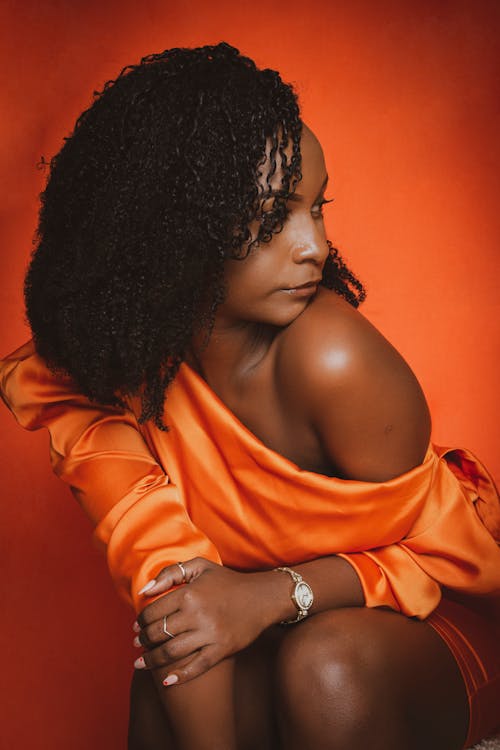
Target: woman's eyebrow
[(298, 197), (292, 196)]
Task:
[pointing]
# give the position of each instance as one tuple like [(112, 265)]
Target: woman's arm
[(99, 452), (221, 611), (373, 423)]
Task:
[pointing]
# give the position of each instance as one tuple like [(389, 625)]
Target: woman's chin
[(286, 314)]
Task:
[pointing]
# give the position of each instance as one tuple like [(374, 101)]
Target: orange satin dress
[(209, 487)]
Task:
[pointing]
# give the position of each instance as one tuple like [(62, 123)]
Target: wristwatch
[(302, 595)]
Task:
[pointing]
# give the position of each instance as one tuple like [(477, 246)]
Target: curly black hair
[(150, 194)]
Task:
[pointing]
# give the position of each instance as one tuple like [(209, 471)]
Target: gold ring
[(167, 632), (184, 576)]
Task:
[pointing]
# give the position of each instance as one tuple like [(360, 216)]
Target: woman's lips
[(304, 290)]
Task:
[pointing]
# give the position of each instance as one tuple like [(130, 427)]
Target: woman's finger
[(174, 600), (170, 576), (161, 630), (205, 659), (171, 651), (175, 575), (165, 605)]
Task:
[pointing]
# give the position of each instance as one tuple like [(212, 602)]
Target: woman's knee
[(331, 681), (326, 657)]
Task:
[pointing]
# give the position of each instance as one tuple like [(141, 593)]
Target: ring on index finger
[(167, 632), (184, 576)]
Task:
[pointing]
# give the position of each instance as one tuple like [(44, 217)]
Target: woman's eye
[(317, 209)]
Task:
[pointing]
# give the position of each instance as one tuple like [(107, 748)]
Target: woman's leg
[(148, 727), (340, 680), (196, 725), (200, 713), (361, 677)]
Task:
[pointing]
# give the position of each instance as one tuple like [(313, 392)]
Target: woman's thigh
[(341, 679)]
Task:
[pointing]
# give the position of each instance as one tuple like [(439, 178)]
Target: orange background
[(405, 98)]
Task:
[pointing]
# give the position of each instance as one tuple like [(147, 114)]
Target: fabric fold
[(210, 487)]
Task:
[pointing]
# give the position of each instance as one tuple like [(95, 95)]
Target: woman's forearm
[(333, 580)]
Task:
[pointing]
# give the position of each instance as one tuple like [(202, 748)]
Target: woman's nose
[(312, 250)]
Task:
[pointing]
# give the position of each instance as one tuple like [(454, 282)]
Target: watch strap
[(296, 578)]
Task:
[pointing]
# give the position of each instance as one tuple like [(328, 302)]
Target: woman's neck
[(233, 351)]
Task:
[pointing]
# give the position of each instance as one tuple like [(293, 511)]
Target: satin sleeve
[(454, 542), (138, 516)]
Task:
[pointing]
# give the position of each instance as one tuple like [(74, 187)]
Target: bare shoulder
[(356, 390), (333, 339)]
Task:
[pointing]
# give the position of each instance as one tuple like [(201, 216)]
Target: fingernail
[(136, 626), (171, 679), (140, 663), (137, 642), (148, 586)]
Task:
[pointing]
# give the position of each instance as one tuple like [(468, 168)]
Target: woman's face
[(278, 279)]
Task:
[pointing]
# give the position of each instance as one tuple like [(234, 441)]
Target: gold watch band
[(302, 595)]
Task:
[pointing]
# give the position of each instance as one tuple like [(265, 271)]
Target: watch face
[(304, 595)]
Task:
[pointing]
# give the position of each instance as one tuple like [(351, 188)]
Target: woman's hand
[(194, 627)]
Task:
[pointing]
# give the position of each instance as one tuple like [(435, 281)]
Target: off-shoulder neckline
[(278, 457)]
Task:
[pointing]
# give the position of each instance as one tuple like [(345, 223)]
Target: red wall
[(404, 96)]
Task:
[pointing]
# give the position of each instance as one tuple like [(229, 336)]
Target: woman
[(287, 477)]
